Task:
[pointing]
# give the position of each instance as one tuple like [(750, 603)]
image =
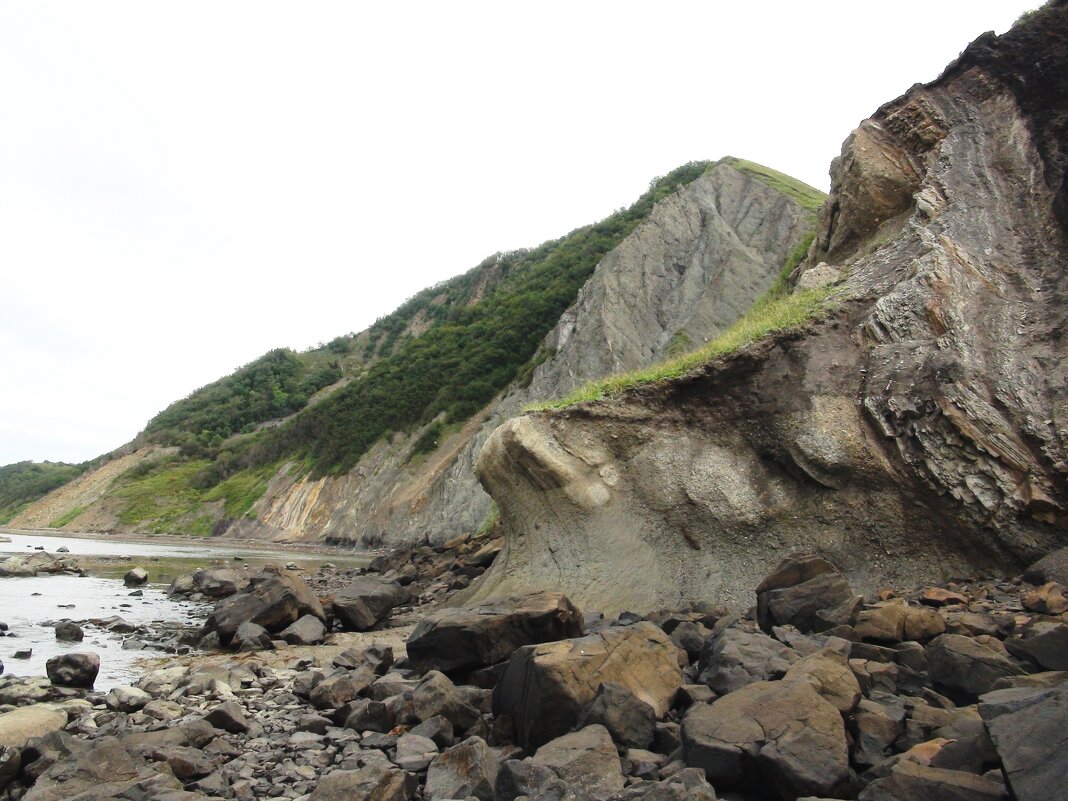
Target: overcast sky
[(186, 185)]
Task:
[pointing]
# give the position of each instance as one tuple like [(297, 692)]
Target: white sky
[(186, 185)]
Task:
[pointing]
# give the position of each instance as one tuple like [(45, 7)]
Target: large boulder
[(375, 781), (135, 577), (1043, 642), (968, 666), (469, 637), (736, 657), (309, 630), (78, 669), (220, 582), (1051, 567), (367, 601), (272, 600), (806, 591), (546, 687), (781, 737), (21, 725), (435, 695), (629, 720), (1031, 739), (585, 759), (829, 674)]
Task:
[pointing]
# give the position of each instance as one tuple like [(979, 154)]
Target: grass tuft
[(769, 314)]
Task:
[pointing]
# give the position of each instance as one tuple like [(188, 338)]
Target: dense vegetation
[(470, 351), (275, 385), (24, 482)]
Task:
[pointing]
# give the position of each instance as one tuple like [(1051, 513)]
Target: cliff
[(686, 270), (914, 429)]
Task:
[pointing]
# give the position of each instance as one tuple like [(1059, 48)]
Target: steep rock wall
[(917, 432), (701, 258)]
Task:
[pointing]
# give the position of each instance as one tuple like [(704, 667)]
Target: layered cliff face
[(917, 431), (701, 258)]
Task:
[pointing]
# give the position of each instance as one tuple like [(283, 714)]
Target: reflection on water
[(26, 603)]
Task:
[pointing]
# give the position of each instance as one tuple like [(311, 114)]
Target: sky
[(185, 186)]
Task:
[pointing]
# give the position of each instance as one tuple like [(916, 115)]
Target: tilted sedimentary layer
[(916, 432)]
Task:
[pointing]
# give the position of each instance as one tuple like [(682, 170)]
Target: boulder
[(221, 582), (627, 718), (252, 637), (1031, 740), (435, 695), (366, 601), (375, 781), (546, 687), (806, 591), (736, 657), (21, 725), (522, 778), (78, 669), (781, 738), (135, 577), (469, 637), (687, 784), (340, 688), (585, 759), (465, 770), (968, 666), (228, 716), (126, 699), (69, 631), (1051, 567), (876, 727), (912, 781), (378, 657), (829, 674), (415, 752), (895, 621), (308, 630), (1043, 642), (272, 600)]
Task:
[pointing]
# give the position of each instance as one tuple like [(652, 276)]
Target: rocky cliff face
[(690, 270), (917, 432)]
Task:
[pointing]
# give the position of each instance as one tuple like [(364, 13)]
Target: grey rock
[(467, 769), (366, 601), (308, 630), (522, 778), (126, 699), (77, 669), (735, 658), (629, 720), (435, 695), (339, 688), (911, 781), (415, 752), (252, 637), (1043, 642), (377, 656), (372, 782), (1051, 567), (135, 577), (272, 600), (228, 716), (69, 631), (469, 637), (966, 665), (1030, 739), (807, 592)]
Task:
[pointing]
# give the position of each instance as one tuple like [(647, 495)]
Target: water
[(27, 603)]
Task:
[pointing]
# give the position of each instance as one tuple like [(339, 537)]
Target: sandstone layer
[(915, 432)]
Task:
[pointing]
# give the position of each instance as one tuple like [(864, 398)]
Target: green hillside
[(24, 482)]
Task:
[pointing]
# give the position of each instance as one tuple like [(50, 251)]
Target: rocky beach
[(368, 683)]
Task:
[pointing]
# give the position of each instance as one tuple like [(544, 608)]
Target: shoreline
[(178, 539)]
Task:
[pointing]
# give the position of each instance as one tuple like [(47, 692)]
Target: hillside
[(23, 483), (899, 407), (319, 444)]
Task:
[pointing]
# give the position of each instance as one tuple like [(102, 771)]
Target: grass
[(241, 490), (809, 197), (769, 314), (67, 517)]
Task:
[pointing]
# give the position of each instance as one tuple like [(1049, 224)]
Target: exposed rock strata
[(918, 431)]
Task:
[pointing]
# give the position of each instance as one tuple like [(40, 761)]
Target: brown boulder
[(272, 600), (585, 759), (367, 601), (779, 737), (806, 591), (546, 687)]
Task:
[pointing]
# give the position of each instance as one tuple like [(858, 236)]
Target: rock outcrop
[(700, 259), (918, 429)]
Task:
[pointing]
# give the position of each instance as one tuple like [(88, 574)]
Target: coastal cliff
[(914, 429)]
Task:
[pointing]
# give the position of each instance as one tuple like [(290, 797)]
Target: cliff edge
[(915, 431)]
